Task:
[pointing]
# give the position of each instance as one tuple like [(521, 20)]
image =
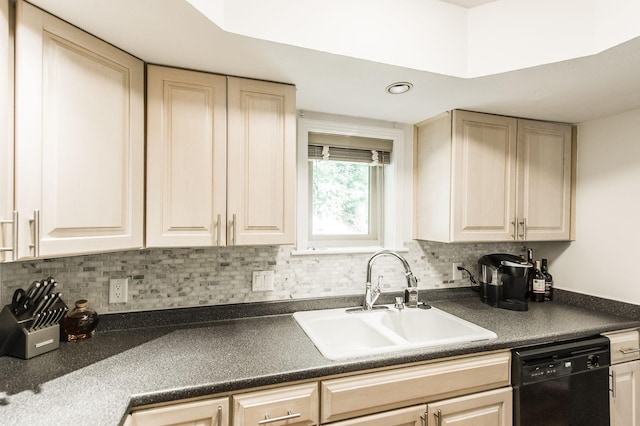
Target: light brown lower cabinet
[(410, 416), (465, 391), (290, 405), (370, 393), (491, 408), (625, 394), (624, 374), (208, 412)]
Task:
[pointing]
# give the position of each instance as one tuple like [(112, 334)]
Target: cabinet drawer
[(347, 397), (410, 416), (291, 405), (213, 412), (625, 346)]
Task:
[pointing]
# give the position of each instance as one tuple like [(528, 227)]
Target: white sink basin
[(344, 333)]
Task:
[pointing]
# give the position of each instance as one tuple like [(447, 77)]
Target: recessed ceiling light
[(400, 87)]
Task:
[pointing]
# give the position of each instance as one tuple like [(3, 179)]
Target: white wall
[(603, 261)]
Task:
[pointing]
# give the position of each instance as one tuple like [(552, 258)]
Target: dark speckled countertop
[(100, 379)]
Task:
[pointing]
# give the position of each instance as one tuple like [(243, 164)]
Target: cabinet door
[(484, 176), (625, 394), (79, 138), (210, 412), (289, 405), (6, 135), (411, 416), (261, 162), (186, 158), (544, 181), (492, 408), (432, 200)]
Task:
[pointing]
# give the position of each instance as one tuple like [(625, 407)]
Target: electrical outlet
[(455, 273), (262, 281), (118, 289)]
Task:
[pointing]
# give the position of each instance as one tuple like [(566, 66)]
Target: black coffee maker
[(503, 281)]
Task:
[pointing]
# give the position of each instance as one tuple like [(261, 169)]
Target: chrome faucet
[(371, 294)]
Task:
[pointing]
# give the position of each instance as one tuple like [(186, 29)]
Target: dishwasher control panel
[(547, 370), (547, 362)]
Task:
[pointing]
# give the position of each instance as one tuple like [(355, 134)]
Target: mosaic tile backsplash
[(183, 277)]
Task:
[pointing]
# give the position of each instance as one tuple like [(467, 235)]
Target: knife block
[(18, 341)]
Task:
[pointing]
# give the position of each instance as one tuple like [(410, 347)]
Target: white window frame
[(392, 233)]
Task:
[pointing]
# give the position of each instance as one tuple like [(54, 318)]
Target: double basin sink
[(346, 333)]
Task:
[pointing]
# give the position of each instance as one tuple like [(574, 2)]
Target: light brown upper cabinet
[(483, 177), (7, 236), (186, 158), (79, 140), (221, 160)]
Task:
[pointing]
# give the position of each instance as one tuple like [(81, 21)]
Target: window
[(346, 190), (349, 197)]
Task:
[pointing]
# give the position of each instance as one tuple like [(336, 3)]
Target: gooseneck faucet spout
[(371, 294)]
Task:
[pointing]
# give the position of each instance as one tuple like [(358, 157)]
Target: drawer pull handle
[(630, 351), (523, 236), (218, 230), (289, 415), (14, 245), (219, 415), (233, 224), (613, 384), (438, 416), (36, 233)]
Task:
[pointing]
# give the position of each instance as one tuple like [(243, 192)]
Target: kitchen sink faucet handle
[(399, 302)]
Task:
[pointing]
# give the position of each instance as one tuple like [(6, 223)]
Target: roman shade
[(324, 146)]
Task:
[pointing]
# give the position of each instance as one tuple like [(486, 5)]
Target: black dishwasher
[(562, 383)]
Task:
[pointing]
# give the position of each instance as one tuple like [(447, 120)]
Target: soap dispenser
[(411, 297)]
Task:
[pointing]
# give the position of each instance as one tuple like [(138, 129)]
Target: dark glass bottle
[(537, 284), (81, 322), (530, 273), (548, 281)]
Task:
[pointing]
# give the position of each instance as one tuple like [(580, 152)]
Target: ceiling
[(468, 3), (173, 32)]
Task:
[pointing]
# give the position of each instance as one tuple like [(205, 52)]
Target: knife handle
[(52, 300), (40, 306), (34, 324), (47, 317), (32, 289), (37, 296), (58, 318), (51, 284)]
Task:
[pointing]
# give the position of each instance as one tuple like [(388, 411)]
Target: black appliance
[(503, 281), (562, 383)]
